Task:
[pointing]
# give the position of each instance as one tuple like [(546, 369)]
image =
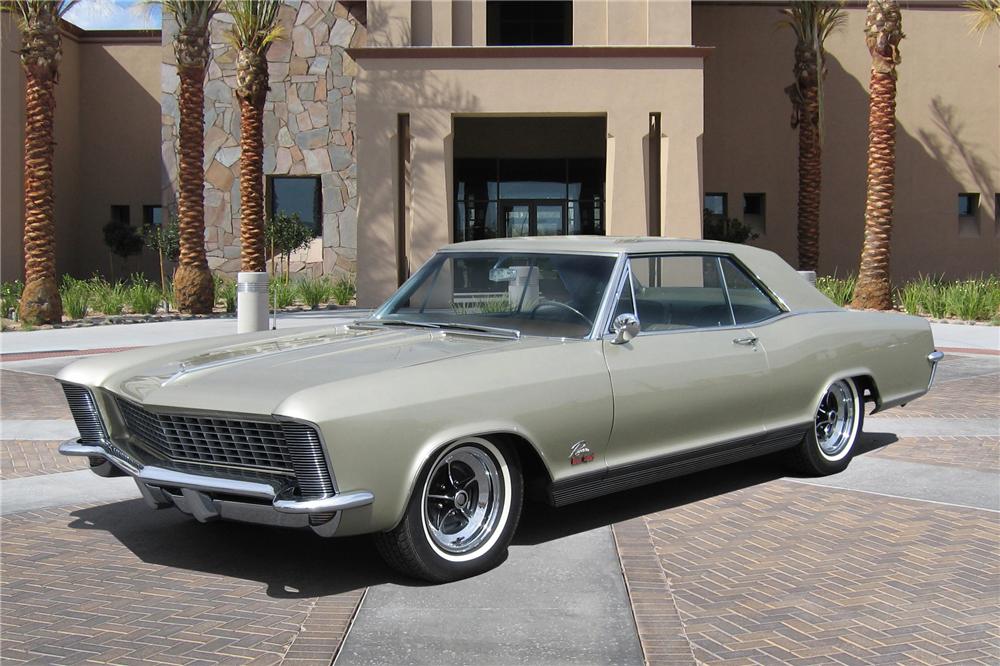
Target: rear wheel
[(462, 514), (829, 444)]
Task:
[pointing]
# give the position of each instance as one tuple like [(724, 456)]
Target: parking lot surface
[(893, 561)]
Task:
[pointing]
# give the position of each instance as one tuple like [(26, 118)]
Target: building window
[(716, 204), (152, 216), (300, 196), (968, 215), (753, 211), (524, 23)]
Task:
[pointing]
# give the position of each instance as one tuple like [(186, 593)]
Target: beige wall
[(433, 90), (948, 137), (107, 138), (463, 22)]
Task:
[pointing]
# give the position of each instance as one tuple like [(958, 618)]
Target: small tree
[(718, 228), (122, 239), (284, 234), (165, 240)]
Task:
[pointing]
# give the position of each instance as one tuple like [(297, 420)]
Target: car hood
[(256, 376)]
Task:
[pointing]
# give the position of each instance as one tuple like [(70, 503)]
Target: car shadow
[(299, 564)]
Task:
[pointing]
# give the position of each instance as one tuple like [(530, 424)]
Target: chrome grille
[(308, 461), (84, 410), (206, 439)]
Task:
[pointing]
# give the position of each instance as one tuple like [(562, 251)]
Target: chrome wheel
[(464, 500), (837, 420)]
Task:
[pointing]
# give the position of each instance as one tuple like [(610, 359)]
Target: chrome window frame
[(783, 310), (600, 321)]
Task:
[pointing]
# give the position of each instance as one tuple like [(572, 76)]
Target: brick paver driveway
[(737, 565)]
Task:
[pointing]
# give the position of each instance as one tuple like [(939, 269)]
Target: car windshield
[(555, 295)]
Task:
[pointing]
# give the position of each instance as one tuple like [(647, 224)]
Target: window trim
[(269, 196), (783, 310)]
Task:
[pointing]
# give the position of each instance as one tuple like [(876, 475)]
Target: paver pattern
[(782, 572), (803, 574), (982, 453), (27, 396), (19, 458), (123, 584)]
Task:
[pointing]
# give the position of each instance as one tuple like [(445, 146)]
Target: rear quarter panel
[(808, 351)]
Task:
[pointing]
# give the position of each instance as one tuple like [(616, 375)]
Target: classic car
[(554, 368)]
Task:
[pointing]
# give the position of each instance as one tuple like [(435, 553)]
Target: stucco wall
[(106, 137), (433, 90), (309, 120), (948, 136), (595, 22)]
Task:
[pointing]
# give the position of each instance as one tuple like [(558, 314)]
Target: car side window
[(750, 303), (679, 292)]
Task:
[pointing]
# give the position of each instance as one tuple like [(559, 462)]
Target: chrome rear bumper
[(933, 358), (161, 487)]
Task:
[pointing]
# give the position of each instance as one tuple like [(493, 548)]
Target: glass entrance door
[(533, 218), (517, 219)]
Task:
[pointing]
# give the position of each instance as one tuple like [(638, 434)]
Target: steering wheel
[(564, 306)]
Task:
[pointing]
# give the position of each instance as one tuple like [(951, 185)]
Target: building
[(395, 126)]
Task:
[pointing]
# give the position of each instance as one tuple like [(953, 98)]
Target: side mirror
[(625, 327)]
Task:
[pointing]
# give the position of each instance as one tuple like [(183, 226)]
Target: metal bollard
[(251, 302)]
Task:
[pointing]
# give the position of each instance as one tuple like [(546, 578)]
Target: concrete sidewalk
[(960, 336), (156, 333)]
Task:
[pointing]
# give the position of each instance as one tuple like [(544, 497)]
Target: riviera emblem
[(580, 453)]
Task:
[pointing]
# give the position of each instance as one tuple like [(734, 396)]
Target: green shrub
[(343, 290), (280, 293), (225, 292), (313, 291), (106, 297), (10, 297), (973, 299), (143, 296), (75, 295), (838, 290)]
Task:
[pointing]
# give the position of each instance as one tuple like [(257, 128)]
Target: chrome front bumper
[(161, 487)]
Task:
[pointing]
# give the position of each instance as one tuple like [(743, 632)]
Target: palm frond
[(191, 14), (813, 22), (985, 13), (29, 10), (255, 23)]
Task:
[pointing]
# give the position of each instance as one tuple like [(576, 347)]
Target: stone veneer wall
[(309, 123)]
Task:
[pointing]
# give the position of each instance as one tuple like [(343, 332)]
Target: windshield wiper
[(492, 330), (489, 330), (395, 322)]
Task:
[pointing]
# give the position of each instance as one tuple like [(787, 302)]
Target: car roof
[(596, 244), (795, 293)]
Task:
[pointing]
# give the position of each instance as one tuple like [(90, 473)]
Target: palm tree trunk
[(873, 288), (252, 184), (193, 287), (40, 302), (810, 180), (884, 31)]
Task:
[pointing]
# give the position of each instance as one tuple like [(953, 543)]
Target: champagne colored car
[(556, 368)]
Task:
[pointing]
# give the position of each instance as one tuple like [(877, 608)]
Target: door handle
[(749, 341)]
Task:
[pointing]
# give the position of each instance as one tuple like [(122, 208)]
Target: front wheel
[(829, 444), (461, 516)]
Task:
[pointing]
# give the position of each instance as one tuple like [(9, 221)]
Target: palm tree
[(194, 289), (883, 32), (812, 23), (985, 13), (41, 51), (255, 27)]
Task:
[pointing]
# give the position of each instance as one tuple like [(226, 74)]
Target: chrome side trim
[(933, 358), (602, 323)]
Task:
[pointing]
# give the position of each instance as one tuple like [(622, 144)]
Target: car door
[(691, 378)]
